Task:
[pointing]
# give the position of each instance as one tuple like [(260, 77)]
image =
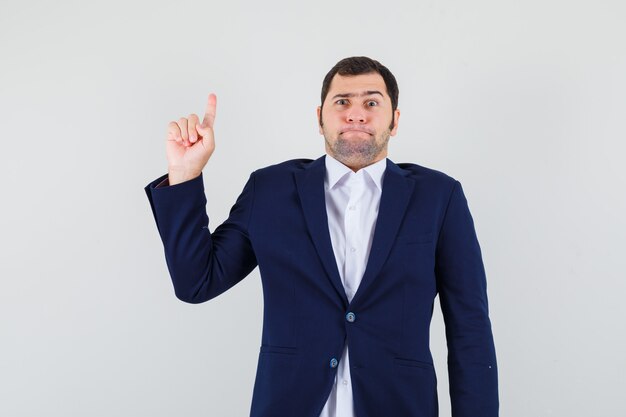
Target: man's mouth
[(355, 131)]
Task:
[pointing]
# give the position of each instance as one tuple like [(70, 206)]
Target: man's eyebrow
[(364, 93)]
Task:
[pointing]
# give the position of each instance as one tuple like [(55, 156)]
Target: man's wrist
[(176, 176)]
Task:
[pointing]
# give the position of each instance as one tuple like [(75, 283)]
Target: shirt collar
[(336, 170)]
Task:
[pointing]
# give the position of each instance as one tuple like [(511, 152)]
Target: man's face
[(356, 119)]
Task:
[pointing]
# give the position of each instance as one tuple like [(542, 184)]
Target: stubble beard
[(358, 153)]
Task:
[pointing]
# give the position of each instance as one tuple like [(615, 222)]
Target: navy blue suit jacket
[(424, 244)]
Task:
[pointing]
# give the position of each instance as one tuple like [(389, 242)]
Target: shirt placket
[(353, 247), (353, 234)]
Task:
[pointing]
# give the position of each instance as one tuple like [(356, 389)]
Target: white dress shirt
[(352, 201)]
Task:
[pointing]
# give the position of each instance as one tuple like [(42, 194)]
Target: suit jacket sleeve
[(202, 264), (462, 287)]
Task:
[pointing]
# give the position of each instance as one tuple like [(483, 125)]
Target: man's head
[(358, 111)]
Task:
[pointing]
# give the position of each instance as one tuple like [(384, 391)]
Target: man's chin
[(354, 156)]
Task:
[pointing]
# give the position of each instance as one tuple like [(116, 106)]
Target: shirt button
[(345, 382), (352, 249), (352, 208), (333, 363), (351, 317)]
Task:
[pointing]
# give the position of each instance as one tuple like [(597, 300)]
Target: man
[(352, 250)]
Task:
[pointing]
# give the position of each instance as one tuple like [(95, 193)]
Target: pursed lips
[(355, 130)]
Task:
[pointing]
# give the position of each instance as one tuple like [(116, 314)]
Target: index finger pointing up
[(209, 113)]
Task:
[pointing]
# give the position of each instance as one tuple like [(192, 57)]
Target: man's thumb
[(203, 129)]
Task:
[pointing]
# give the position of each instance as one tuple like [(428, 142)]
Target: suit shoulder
[(434, 183), (282, 168), (419, 172), (291, 165)]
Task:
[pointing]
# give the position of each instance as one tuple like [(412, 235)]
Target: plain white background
[(522, 101)]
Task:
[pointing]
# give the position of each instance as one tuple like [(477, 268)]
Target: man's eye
[(372, 103), (341, 102)]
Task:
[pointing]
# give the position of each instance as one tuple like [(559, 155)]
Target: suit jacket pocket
[(413, 363), (278, 349)]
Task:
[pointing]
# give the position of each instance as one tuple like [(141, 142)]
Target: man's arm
[(462, 287), (202, 264)]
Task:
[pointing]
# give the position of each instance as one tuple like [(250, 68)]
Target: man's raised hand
[(190, 144)]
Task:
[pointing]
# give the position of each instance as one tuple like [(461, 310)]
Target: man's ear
[(396, 119), (319, 119)]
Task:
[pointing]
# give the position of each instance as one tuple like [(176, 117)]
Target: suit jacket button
[(333, 363), (351, 317)]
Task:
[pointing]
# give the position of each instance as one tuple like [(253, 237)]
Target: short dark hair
[(358, 65)]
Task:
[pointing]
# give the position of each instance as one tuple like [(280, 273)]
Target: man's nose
[(355, 115)]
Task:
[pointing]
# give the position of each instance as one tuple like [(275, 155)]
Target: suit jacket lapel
[(394, 200), (310, 183), (396, 194)]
